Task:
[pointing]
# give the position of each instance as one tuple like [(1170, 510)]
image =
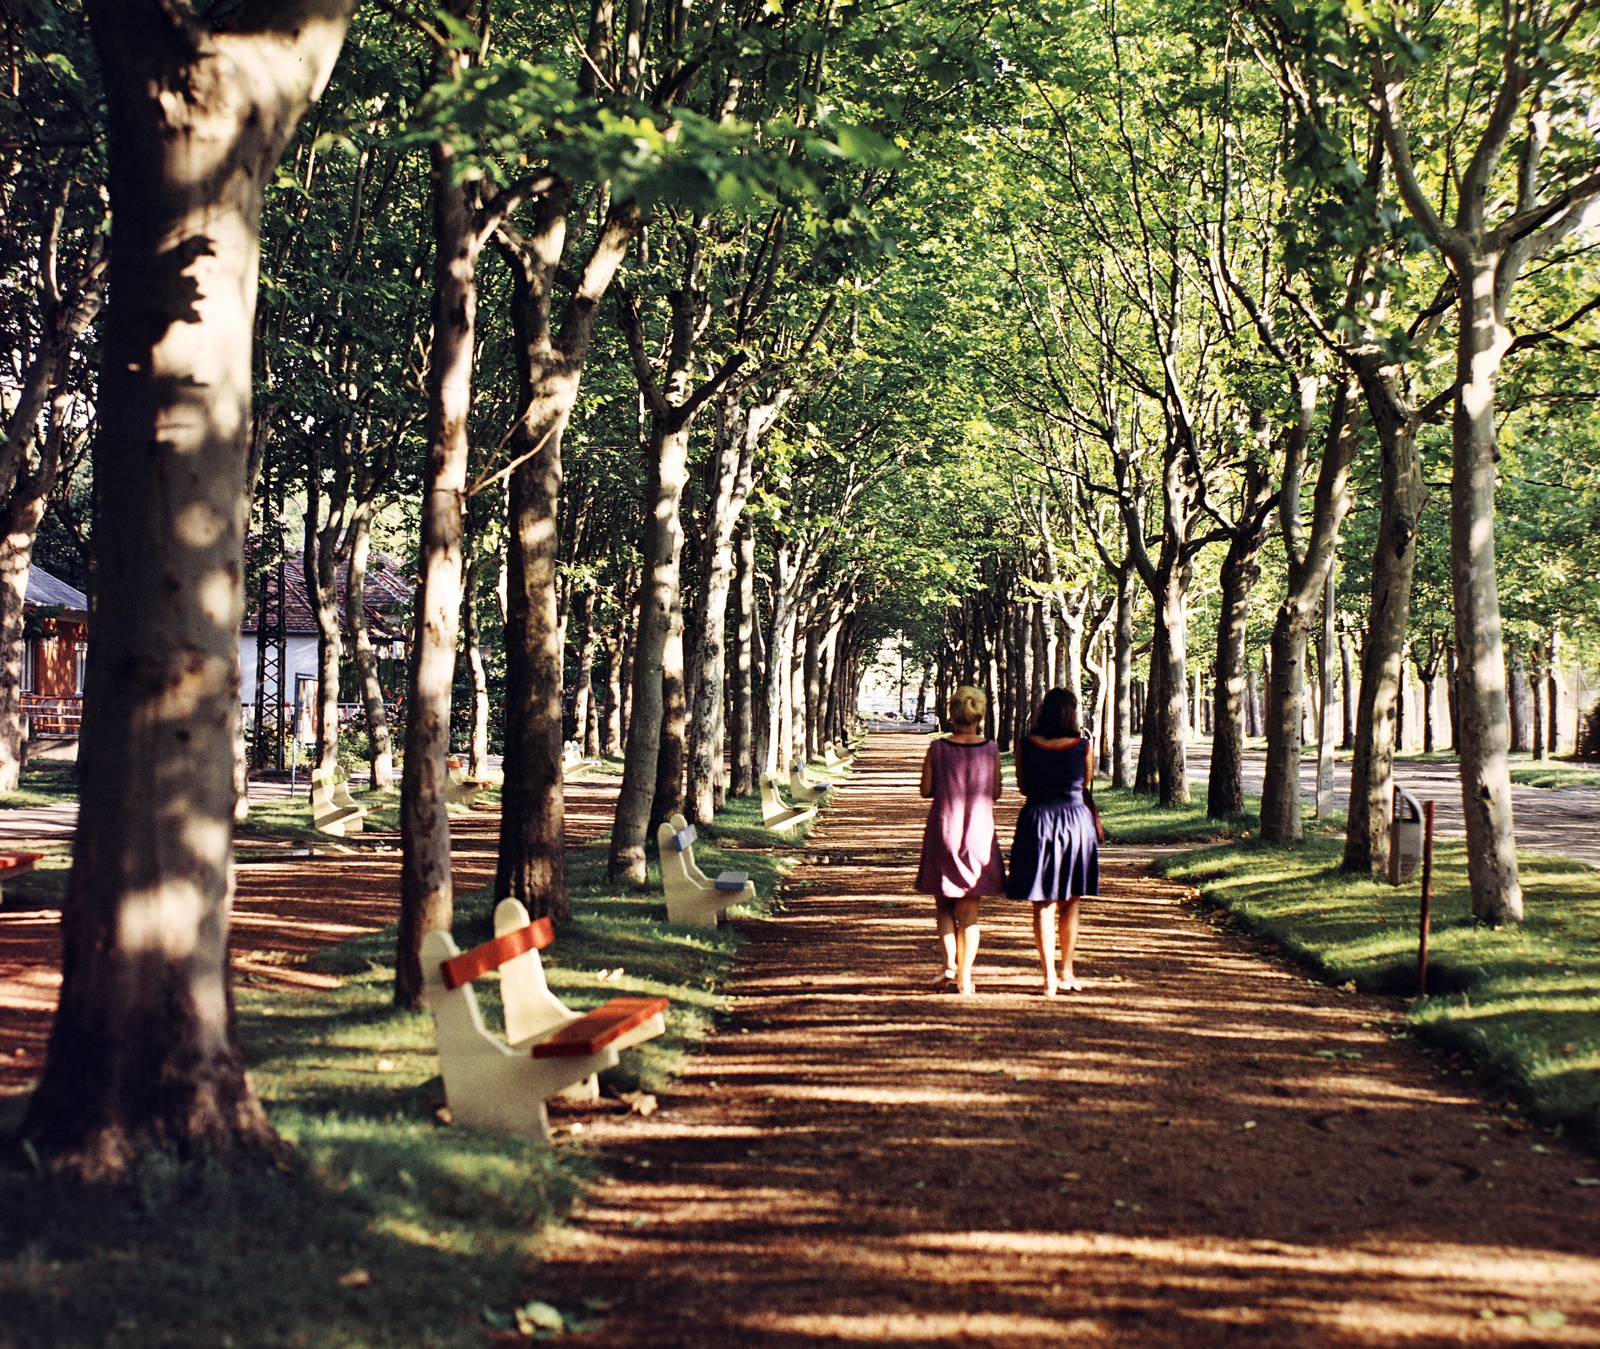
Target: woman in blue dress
[(1055, 858)]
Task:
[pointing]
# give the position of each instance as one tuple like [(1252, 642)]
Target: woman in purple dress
[(1055, 858), (960, 854)]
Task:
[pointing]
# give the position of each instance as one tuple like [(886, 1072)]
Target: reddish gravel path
[(1166, 1159), (293, 907)]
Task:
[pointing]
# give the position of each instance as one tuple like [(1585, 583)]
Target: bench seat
[(14, 864)]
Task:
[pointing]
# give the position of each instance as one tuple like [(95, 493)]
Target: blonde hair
[(967, 706)]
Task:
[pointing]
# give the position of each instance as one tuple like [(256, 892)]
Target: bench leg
[(587, 1090)]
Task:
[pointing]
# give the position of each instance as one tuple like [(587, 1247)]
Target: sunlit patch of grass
[(44, 782), (1551, 774), (1521, 1002), (1131, 818)]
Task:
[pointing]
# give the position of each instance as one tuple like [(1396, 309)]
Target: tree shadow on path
[(1202, 1148)]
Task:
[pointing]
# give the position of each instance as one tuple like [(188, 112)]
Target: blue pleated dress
[(1055, 854)]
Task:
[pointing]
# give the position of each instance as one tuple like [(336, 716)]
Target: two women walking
[(1055, 858)]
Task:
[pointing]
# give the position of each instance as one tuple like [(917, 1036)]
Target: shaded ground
[(1203, 1148), (282, 910)]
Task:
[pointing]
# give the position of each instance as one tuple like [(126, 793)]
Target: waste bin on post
[(1405, 837)]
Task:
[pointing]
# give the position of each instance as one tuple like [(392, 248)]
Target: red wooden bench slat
[(467, 966), (599, 1028), (18, 863)]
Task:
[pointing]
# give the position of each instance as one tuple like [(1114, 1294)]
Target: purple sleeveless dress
[(960, 854), (1055, 855)]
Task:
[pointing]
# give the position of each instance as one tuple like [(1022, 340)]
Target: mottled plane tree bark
[(145, 1050)]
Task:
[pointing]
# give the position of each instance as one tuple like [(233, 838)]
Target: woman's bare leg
[(966, 942), (1044, 941), (1069, 943), (947, 940)]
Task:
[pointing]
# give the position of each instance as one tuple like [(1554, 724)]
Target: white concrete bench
[(836, 760), (333, 810), (549, 1050), (460, 790), (14, 864), (693, 898), (803, 788), (776, 813)]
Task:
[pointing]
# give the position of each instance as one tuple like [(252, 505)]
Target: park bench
[(460, 790), (14, 864), (776, 813), (572, 760), (333, 810), (834, 759), (693, 898), (549, 1050), (802, 788)]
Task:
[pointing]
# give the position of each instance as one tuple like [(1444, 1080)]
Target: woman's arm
[(1088, 760), (927, 772)]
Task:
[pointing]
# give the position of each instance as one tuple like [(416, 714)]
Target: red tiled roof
[(384, 593)]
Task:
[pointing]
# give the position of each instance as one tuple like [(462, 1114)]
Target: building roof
[(44, 589), (385, 598)]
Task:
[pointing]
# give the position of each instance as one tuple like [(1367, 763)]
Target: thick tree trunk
[(427, 900), (144, 1052), (1347, 739), (380, 754), (1538, 684), (663, 544), (320, 567), (1481, 691), (1428, 686)]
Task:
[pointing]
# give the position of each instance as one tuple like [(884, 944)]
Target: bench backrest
[(530, 1007), (769, 795)]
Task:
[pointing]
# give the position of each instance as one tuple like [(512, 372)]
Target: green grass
[(1519, 1003), (44, 782), (1551, 773), (446, 1224), (1129, 818)]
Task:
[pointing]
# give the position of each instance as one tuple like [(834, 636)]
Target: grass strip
[(392, 1229), (44, 782), (1520, 1004)]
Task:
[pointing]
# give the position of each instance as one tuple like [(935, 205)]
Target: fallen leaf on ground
[(443, 1115), (385, 1065), (356, 1278), (639, 1102), (535, 1316)]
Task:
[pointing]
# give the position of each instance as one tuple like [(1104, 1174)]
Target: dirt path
[(281, 909), (1202, 1149)]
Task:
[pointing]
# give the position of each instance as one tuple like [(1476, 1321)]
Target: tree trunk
[(1428, 684), (427, 900), (1122, 764), (1481, 691), (144, 1052), (380, 753), (1172, 758), (668, 798), (663, 544), (743, 751), (737, 429), (1347, 739), (1403, 496), (478, 752), (1539, 684), (583, 685), (1310, 556), (1225, 787)]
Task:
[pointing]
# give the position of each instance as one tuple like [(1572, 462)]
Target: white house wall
[(300, 656)]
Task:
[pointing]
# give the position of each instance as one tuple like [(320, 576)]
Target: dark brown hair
[(1057, 716)]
